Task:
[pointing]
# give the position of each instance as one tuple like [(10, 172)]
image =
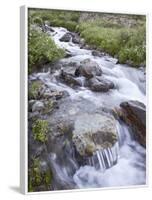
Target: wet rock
[(97, 53), (134, 114), (30, 104), (76, 39), (93, 132), (66, 37), (88, 69), (100, 84), (70, 79), (37, 106), (68, 54)]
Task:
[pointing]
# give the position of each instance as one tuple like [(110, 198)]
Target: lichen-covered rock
[(93, 132), (88, 69), (134, 114)]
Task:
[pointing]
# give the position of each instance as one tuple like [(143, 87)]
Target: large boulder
[(134, 114), (66, 37), (93, 132), (100, 84), (88, 69)]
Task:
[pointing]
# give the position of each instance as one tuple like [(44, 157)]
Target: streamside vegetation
[(122, 36)]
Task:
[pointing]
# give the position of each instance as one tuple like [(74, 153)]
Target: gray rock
[(97, 53), (37, 106), (66, 37), (99, 84), (88, 69), (93, 132), (70, 79), (134, 114)]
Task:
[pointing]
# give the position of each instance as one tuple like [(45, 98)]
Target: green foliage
[(34, 89), (37, 177), (128, 44), (123, 36), (41, 49), (67, 19), (40, 130)]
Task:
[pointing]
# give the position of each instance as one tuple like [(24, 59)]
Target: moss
[(40, 130), (34, 90), (38, 177)]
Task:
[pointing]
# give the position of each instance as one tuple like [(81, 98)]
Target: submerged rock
[(100, 84), (93, 132), (134, 114), (70, 79), (88, 69)]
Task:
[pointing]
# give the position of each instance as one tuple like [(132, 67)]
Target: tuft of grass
[(34, 90), (40, 130)]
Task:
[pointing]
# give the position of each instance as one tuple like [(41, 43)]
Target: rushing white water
[(128, 170), (123, 164), (104, 158)]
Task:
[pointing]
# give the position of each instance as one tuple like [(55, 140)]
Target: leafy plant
[(42, 49)]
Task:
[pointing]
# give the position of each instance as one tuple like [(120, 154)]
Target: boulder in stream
[(134, 114), (70, 79), (93, 132), (66, 37), (97, 84), (88, 69)]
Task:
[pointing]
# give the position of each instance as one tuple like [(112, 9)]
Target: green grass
[(65, 19), (127, 44), (34, 90), (122, 36), (40, 130)]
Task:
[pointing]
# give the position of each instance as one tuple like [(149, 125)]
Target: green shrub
[(42, 49), (37, 177), (40, 130)]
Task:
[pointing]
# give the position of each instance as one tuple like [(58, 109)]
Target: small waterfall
[(104, 158)]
